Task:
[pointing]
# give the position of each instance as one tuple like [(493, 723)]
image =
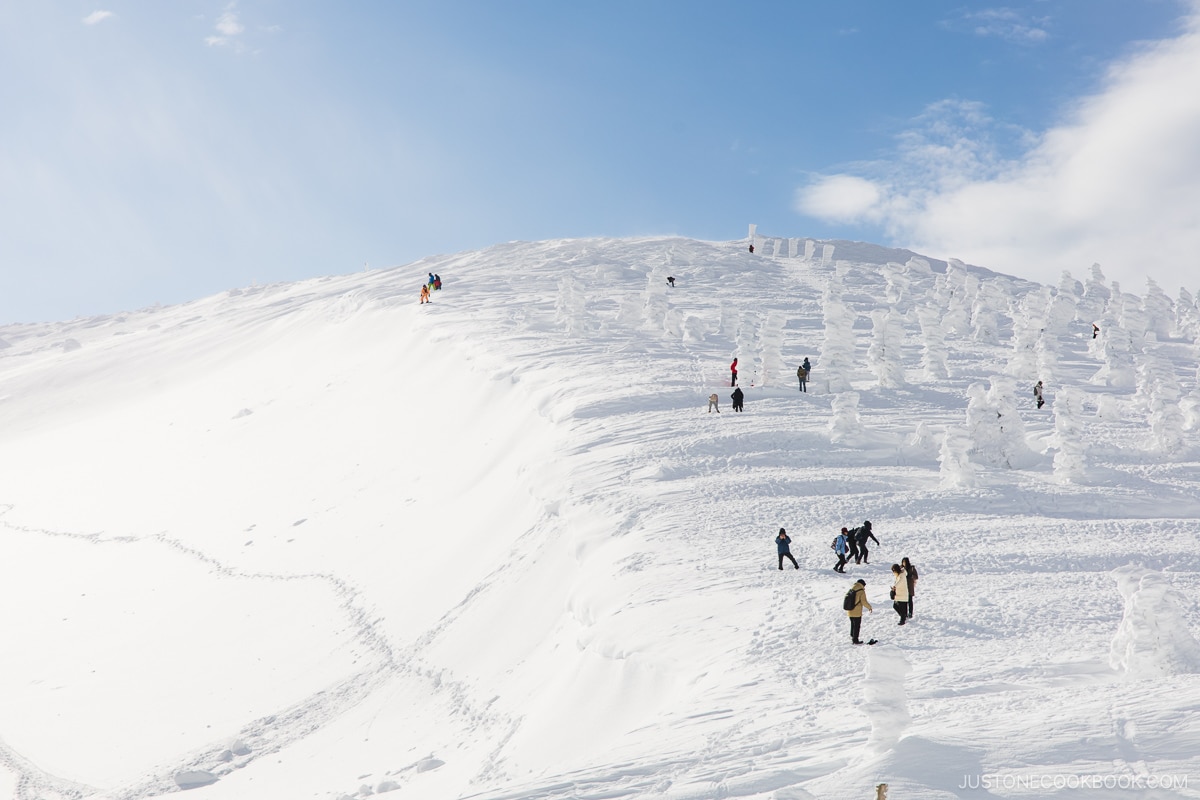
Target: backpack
[(850, 601), (833, 544)]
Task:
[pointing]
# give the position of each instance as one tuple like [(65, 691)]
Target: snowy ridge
[(496, 547)]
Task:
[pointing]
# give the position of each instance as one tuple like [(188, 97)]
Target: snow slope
[(317, 540)]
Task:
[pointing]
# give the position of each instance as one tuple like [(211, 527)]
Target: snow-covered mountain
[(320, 540)]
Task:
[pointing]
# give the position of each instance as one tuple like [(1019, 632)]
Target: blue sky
[(159, 152)]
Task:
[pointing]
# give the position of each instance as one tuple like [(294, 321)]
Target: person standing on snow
[(802, 375), (430, 281), (900, 592), (424, 293), (733, 373), (840, 547), (911, 572), (1037, 392), (855, 614), (782, 542), (807, 369), (437, 282), (737, 398), (713, 403), (860, 538)]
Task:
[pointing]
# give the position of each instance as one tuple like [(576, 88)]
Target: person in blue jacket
[(842, 548), (781, 543)]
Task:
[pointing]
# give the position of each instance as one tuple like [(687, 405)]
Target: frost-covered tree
[(1029, 322), (837, 350), (934, 356), (1158, 394), (986, 311), (950, 294), (1134, 319), (845, 422), (1159, 311), (1115, 350), (1187, 316), (996, 431), (774, 369), (1189, 406), (1096, 295), (955, 459), (1070, 462), (885, 353)]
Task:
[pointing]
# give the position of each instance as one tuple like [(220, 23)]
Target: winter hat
[(860, 580)]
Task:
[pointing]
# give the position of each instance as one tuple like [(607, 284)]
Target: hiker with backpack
[(782, 542), (1037, 392), (840, 547), (853, 604), (899, 592), (861, 534)]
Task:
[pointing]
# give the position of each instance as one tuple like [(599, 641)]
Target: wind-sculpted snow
[(320, 540)]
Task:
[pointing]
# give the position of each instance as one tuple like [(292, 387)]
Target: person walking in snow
[(841, 548), (430, 281), (737, 398), (424, 292), (860, 538), (713, 404), (911, 572), (899, 592), (751, 248), (733, 373), (852, 546), (802, 375), (782, 542), (437, 282), (1095, 330), (1037, 392), (855, 613), (671, 281)]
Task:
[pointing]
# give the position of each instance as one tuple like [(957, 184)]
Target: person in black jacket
[(737, 398), (860, 537), (781, 543), (912, 582)]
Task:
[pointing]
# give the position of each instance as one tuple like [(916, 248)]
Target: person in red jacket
[(733, 373)]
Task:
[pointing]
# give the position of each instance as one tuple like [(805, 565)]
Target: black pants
[(737, 406), (854, 553), (910, 606), (788, 556), (803, 384), (862, 550), (855, 625), (733, 379), (901, 607), (841, 565)]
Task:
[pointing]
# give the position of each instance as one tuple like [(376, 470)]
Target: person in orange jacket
[(425, 293)]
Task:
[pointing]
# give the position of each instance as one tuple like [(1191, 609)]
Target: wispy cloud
[(1002, 23), (228, 29), (1118, 183), (96, 17)]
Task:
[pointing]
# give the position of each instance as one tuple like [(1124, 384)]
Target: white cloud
[(96, 17), (840, 198), (228, 28), (1118, 183)]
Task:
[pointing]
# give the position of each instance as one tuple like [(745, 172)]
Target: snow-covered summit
[(316, 539)]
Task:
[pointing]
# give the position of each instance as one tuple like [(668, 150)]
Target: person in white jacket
[(900, 592)]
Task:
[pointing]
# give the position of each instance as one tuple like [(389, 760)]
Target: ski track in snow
[(1016, 570)]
